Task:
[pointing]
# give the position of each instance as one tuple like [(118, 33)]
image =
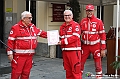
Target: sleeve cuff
[(9, 52)]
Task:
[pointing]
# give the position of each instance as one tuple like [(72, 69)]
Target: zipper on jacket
[(29, 31), (65, 35), (88, 29), (31, 37)]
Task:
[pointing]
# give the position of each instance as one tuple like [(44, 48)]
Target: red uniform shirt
[(23, 39), (70, 36), (93, 31)]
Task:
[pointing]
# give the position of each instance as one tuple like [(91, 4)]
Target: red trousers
[(21, 66), (95, 50), (72, 64)]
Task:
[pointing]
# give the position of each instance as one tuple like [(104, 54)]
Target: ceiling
[(98, 2), (94, 2)]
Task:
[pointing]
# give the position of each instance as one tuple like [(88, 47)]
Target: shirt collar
[(68, 24)]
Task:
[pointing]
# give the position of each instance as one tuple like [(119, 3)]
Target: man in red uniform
[(93, 39), (71, 46), (23, 40)]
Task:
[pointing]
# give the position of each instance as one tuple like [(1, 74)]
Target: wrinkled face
[(27, 19), (89, 13), (68, 16)]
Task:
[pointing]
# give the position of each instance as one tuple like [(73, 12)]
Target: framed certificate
[(53, 37)]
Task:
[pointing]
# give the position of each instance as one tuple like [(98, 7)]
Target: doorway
[(102, 12), (1, 21), (32, 10)]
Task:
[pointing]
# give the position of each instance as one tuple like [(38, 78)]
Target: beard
[(89, 16)]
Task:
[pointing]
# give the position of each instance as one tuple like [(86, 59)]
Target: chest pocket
[(22, 42), (94, 26), (69, 31), (23, 33), (84, 26)]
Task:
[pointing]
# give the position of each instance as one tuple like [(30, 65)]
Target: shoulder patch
[(11, 32)]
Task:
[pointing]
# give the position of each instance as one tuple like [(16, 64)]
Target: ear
[(94, 10), (23, 19), (72, 15)]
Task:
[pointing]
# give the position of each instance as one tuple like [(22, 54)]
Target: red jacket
[(23, 39), (70, 36), (93, 31)]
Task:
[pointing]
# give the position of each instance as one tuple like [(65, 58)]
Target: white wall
[(41, 17), (21, 6), (52, 25), (108, 17), (44, 18), (115, 18)]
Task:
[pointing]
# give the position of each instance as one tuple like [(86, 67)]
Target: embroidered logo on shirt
[(77, 29), (11, 32), (70, 29)]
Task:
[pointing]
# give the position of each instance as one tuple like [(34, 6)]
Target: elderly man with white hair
[(23, 40), (71, 46)]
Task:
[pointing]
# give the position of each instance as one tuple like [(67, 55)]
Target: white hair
[(23, 14), (68, 11)]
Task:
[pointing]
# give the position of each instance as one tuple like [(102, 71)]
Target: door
[(32, 10), (1, 21), (102, 12)]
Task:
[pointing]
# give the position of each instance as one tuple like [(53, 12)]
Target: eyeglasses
[(89, 10), (29, 17), (67, 15)]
